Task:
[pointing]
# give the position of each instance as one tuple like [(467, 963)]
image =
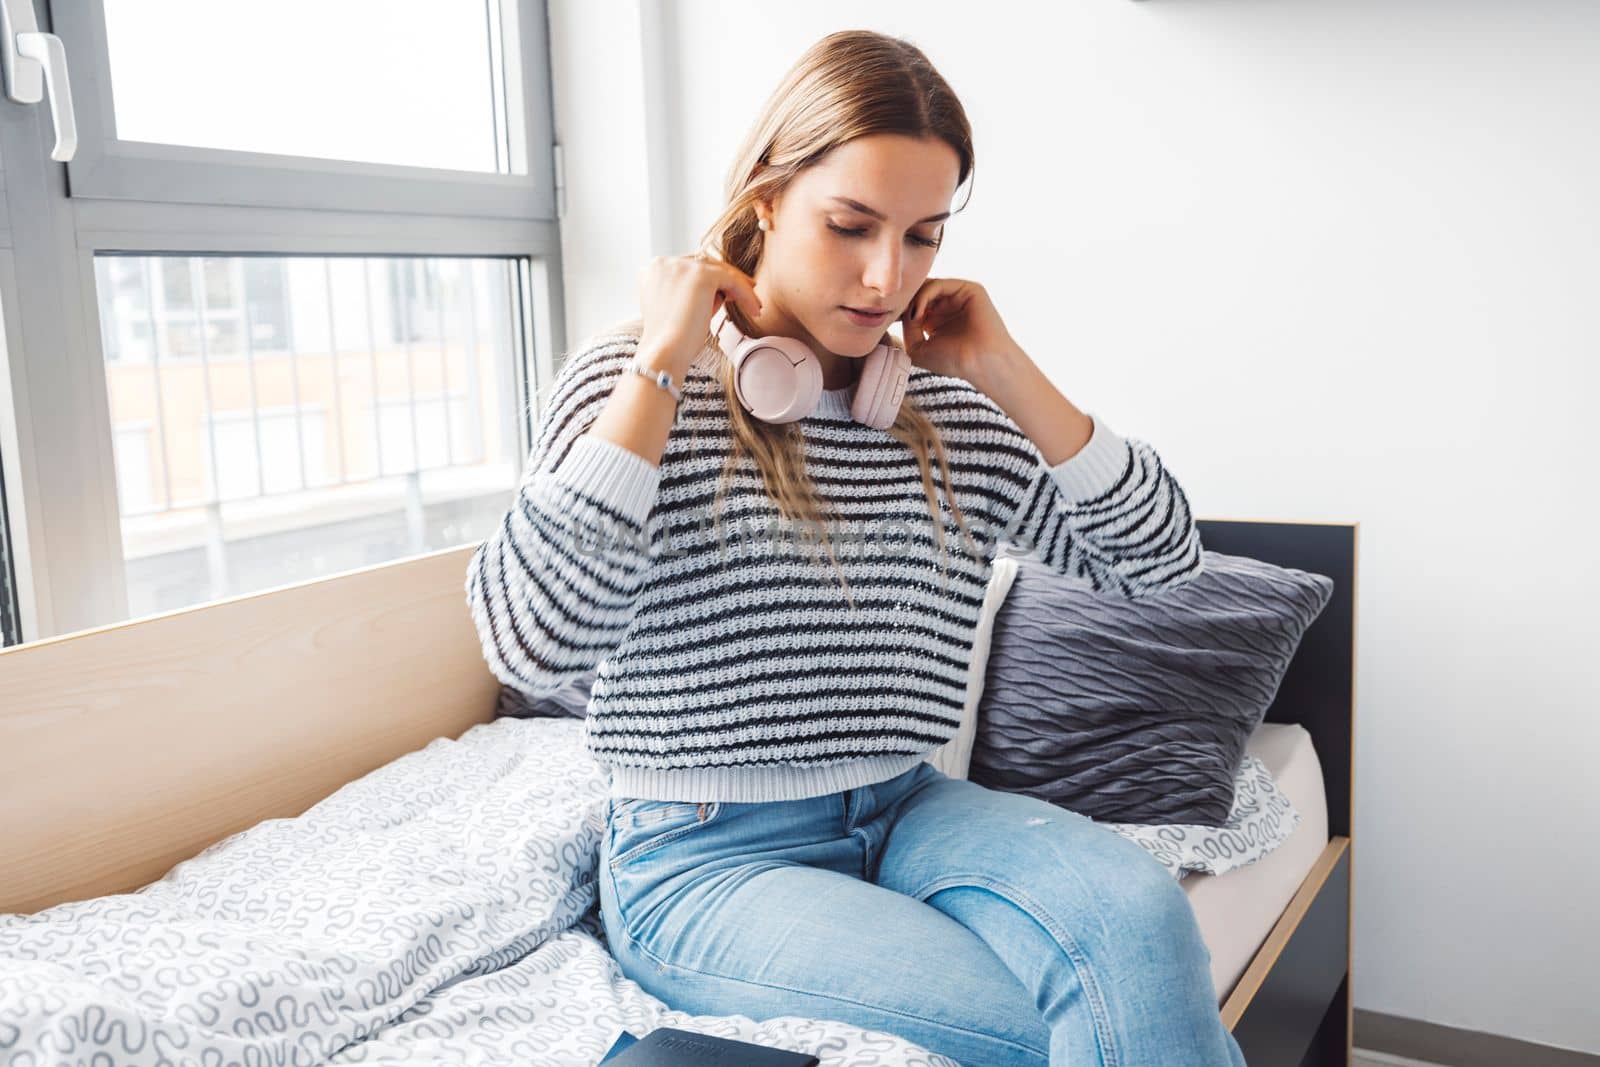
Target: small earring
[(764, 224)]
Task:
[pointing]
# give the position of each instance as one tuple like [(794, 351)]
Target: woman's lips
[(866, 320)]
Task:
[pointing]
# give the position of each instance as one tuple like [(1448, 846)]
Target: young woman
[(776, 843)]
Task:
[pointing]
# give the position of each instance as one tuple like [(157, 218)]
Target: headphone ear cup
[(881, 387), (777, 379)]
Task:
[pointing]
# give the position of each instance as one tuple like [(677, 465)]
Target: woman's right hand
[(678, 296)]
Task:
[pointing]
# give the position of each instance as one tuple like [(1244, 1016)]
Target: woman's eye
[(860, 230)]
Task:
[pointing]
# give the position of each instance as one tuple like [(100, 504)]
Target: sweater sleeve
[(1112, 513), (553, 589)]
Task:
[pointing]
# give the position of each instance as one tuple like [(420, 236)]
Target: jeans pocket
[(641, 826)]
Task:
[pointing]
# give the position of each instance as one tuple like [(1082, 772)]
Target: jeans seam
[(622, 912), (644, 950), (1086, 977)]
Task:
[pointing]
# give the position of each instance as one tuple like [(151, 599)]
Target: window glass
[(412, 82), (306, 415)]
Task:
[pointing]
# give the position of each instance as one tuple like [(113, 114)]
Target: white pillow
[(954, 755)]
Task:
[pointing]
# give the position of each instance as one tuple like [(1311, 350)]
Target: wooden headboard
[(128, 748)]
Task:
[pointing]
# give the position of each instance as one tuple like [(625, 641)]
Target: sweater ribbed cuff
[(1095, 467), (618, 477)]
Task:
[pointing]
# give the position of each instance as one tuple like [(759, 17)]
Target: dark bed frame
[(1297, 1010)]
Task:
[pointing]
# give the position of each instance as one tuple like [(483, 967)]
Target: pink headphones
[(779, 379)]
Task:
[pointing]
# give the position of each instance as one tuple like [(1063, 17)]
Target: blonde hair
[(849, 84)]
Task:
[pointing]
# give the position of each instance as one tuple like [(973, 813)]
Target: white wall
[(596, 73), (1338, 261)]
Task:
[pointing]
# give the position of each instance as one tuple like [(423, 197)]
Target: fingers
[(741, 287), (929, 292), (934, 309)]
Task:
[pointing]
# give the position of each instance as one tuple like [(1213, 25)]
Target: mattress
[(1237, 910)]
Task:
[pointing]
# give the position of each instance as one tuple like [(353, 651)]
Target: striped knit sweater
[(734, 669)]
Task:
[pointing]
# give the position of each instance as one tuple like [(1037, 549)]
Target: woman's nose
[(883, 272)]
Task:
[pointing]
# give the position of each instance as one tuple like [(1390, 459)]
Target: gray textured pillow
[(1137, 710), (572, 699)]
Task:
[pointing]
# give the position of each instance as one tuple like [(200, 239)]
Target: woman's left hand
[(965, 335)]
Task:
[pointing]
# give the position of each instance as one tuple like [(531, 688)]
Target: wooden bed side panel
[(1328, 871), (1300, 970), (128, 748)]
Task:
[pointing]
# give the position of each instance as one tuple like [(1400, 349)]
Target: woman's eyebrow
[(880, 216)]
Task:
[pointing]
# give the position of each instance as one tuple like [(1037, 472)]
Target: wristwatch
[(662, 378)]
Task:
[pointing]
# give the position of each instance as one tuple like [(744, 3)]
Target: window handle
[(47, 50), (34, 63)]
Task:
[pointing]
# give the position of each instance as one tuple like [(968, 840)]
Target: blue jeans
[(991, 927)]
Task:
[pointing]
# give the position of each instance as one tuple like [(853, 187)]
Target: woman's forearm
[(639, 414), (1052, 422)]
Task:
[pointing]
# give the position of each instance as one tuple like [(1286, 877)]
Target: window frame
[(18, 603)]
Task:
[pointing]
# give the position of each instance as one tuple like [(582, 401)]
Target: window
[(389, 105), (276, 320)]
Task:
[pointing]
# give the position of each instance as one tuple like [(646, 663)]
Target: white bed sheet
[(1237, 909)]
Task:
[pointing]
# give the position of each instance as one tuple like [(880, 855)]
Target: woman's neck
[(842, 372)]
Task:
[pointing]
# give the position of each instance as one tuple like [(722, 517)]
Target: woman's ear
[(767, 207)]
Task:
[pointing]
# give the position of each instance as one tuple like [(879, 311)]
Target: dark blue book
[(667, 1046)]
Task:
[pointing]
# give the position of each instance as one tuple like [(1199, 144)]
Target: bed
[(129, 749)]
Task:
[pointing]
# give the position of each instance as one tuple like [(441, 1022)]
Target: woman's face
[(825, 254)]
